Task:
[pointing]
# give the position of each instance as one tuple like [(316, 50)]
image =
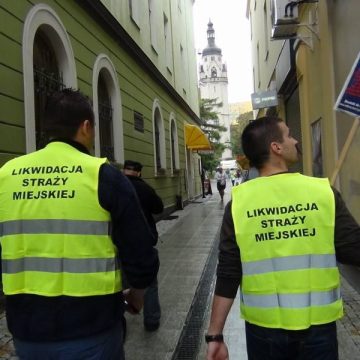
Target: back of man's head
[(132, 165), (257, 137), (65, 111)]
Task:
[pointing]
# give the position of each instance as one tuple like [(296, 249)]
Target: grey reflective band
[(59, 265), (291, 300), (289, 263), (54, 226)]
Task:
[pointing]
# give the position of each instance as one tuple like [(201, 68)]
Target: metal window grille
[(173, 146), (47, 80), (106, 130), (138, 122), (157, 146)]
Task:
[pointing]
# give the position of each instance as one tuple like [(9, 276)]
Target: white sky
[(232, 35)]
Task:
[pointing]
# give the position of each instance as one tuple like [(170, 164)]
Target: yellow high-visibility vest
[(55, 236), (284, 226)]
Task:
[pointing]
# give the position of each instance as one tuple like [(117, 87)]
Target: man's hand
[(134, 299), (217, 351)]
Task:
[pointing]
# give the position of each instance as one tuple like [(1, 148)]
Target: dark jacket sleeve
[(157, 204), (130, 231), (148, 197), (229, 270), (347, 234)]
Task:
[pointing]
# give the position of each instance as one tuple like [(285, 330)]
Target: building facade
[(308, 66), (135, 60), (213, 82)]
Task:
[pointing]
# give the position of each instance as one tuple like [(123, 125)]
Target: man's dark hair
[(257, 137), (65, 111), (132, 165)]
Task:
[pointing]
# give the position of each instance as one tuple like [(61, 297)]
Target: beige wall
[(268, 50), (345, 27), (325, 53)]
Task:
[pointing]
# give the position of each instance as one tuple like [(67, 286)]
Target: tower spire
[(211, 48), (211, 34)]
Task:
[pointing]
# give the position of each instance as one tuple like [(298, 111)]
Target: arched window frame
[(44, 16), (213, 72), (157, 107), (174, 137), (103, 63)]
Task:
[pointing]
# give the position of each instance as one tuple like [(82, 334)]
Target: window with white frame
[(159, 138), (47, 80), (174, 145), (157, 141), (47, 57), (107, 108), (168, 43), (105, 111), (152, 24), (266, 32), (134, 9), (183, 66)]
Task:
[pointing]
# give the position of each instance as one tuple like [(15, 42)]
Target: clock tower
[(214, 85)]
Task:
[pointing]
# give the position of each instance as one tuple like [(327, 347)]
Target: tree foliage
[(236, 131)]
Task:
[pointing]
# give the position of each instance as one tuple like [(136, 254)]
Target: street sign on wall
[(349, 98), (264, 99)]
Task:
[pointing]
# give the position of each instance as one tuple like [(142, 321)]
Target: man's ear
[(275, 147), (87, 126)]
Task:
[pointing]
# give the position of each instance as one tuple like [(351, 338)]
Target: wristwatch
[(217, 338)]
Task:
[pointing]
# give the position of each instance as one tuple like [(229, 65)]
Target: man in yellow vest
[(67, 220), (281, 237)]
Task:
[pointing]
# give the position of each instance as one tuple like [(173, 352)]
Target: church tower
[(214, 85)]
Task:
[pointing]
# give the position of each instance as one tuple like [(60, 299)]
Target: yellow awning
[(195, 138)]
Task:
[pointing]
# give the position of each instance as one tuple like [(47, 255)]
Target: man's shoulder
[(111, 175)]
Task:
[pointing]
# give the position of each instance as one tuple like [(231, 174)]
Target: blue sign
[(349, 98)]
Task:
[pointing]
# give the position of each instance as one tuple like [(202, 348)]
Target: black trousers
[(319, 342)]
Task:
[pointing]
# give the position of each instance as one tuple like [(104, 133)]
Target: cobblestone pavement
[(6, 345), (349, 326)]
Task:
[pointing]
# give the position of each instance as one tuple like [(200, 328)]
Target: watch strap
[(217, 338)]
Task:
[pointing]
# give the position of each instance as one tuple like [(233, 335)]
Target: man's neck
[(273, 168), (74, 143)]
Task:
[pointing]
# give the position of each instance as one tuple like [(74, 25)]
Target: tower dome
[(211, 48)]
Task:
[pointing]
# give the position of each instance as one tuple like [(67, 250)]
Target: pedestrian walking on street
[(288, 231), (151, 203), (68, 220), (238, 177), (233, 176), (220, 178)]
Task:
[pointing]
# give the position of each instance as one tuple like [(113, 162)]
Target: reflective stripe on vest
[(286, 240), (55, 265), (292, 300), (54, 226), (289, 263)]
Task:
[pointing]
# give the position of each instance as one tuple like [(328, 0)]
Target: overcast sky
[(232, 35)]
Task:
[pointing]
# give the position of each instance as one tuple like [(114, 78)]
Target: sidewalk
[(184, 246)]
